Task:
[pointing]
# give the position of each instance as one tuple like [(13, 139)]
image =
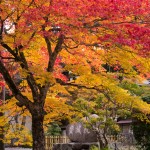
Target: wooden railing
[(51, 140), (124, 139)]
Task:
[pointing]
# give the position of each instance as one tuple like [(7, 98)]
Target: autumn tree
[(45, 39), (99, 111)]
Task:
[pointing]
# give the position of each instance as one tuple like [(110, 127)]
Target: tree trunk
[(105, 140), (1, 142), (103, 143), (99, 138), (38, 132)]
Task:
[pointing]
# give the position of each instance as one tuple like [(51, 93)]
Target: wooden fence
[(124, 139), (51, 140)]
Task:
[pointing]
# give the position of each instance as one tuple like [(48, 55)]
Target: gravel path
[(18, 148)]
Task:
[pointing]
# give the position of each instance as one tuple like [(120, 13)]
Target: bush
[(93, 147), (53, 129)]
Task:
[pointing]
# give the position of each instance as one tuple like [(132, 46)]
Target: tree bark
[(38, 132), (1, 142), (103, 143)]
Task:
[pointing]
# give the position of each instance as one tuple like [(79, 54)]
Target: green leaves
[(53, 129), (133, 88)]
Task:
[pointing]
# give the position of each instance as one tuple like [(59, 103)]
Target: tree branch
[(79, 85), (23, 100), (1, 57), (57, 49), (49, 49), (30, 79), (9, 49)]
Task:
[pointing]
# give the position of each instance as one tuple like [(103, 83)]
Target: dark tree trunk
[(38, 132), (1, 142)]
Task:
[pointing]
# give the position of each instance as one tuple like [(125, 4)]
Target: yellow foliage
[(57, 109), (79, 69), (57, 88), (90, 80), (23, 137)]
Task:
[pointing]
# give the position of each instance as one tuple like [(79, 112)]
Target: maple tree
[(46, 39)]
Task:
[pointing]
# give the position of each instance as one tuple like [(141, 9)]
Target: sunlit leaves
[(57, 109), (104, 43)]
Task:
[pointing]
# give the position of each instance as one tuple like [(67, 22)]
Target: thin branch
[(1, 57), (79, 85), (1, 29), (131, 22), (66, 46), (31, 37), (19, 16)]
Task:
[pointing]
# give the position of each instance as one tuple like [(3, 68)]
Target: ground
[(18, 148)]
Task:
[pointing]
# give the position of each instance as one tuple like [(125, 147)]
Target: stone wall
[(74, 146)]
